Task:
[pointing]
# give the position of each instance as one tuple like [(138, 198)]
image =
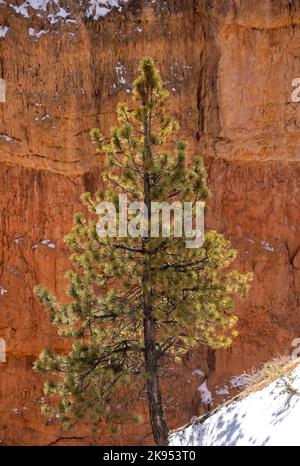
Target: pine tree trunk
[(158, 423), (155, 405)]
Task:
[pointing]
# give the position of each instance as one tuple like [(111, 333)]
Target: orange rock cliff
[(228, 65)]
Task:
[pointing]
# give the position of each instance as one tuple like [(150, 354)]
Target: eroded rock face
[(229, 67)]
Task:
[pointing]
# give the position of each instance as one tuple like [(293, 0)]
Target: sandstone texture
[(228, 65)]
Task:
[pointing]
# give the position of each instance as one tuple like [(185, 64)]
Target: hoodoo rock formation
[(229, 65)]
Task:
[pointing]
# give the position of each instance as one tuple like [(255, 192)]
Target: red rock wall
[(229, 66)]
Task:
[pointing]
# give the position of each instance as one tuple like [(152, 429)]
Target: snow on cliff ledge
[(93, 9), (268, 416)]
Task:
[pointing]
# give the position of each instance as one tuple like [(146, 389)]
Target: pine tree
[(136, 303)]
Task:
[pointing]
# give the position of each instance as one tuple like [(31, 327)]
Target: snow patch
[(5, 137), (265, 245), (45, 242), (39, 4), (240, 380), (205, 393), (46, 117), (61, 14), (93, 9), (40, 400), (48, 243), (198, 373), (193, 419), (251, 241), (33, 4), (71, 21), (33, 33), (3, 31), (222, 390), (2, 291), (100, 8), (121, 71), (22, 9), (42, 6)]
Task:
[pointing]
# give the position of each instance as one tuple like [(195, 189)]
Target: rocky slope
[(228, 66)]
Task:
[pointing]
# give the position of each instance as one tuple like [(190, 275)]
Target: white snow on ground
[(3, 31), (269, 416)]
